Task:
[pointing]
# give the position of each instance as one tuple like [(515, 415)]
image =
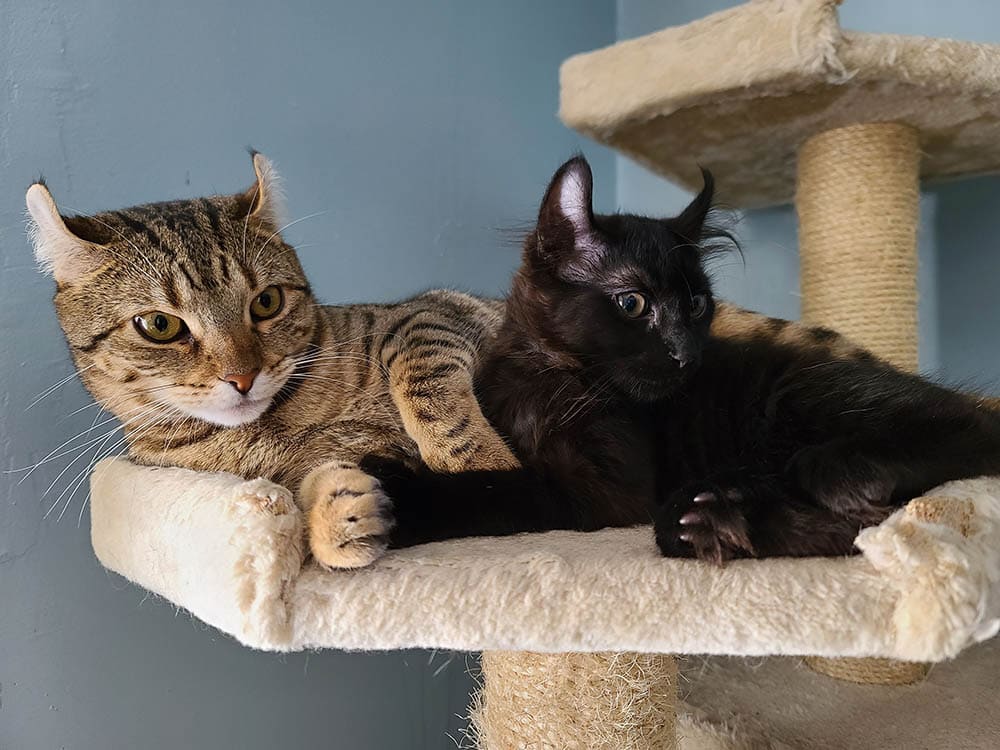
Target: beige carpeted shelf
[(740, 91), (232, 553)]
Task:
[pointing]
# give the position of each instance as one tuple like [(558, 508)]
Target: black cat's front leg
[(846, 479), (707, 520), (432, 507), (732, 517)]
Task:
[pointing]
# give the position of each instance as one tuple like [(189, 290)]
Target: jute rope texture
[(602, 701), (858, 201)]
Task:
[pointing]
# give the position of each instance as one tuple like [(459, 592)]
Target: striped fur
[(339, 382)]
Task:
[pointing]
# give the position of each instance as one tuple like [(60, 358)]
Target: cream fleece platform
[(232, 552), (741, 90)]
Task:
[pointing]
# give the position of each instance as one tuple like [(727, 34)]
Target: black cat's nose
[(242, 381), (685, 358)]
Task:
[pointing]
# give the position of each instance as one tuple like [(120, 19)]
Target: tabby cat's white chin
[(223, 406), (233, 416)]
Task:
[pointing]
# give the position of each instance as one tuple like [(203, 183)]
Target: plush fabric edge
[(949, 581), (764, 47), (232, 553)]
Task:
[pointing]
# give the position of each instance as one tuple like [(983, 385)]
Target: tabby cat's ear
[(60, 252), (690, 225), (263, 202)]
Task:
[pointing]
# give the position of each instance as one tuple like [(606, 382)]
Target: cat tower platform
[(233, 553)]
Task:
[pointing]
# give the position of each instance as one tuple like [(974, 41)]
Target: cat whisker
[(108, 406), (260, 250), (82, 475), (122, 426), (170, 439), (53, 388), (360, 358), (246, 219), (51, 455), (376, 401), (582, 403)]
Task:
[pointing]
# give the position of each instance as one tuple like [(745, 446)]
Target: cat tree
[(577, 629)]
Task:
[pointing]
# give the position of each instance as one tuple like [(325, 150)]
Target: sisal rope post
[(576, 701), (857, 199)]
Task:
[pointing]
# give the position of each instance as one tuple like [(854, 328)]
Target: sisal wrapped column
[(576, 701), (857, 198)]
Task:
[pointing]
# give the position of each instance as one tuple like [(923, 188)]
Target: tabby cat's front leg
[(348, 516), (430, 364)]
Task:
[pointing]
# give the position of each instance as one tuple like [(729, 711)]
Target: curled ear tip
[(38, 198), (38, 187)]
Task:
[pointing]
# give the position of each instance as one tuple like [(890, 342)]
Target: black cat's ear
[(566, 217), (569, 198), (263, 201), (65, 248), (690, 225)]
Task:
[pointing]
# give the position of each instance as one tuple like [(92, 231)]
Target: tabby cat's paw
[(349, 517), (704, 521)]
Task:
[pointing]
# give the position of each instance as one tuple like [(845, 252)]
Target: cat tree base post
[(604, 701), (857, 197)]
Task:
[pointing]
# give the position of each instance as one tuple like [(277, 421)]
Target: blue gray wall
[(960, 222), (418, 130)]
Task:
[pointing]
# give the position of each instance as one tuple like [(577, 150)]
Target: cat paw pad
[(349, 517)]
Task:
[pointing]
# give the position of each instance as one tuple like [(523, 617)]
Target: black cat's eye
[(699, 306), (267, 304), (633, 304), (160, 327)]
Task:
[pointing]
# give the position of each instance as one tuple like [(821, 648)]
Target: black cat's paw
[(704, 521)]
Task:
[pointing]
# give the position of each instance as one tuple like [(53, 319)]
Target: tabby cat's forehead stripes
[(137, 226)]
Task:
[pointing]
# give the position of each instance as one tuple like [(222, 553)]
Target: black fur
[(732, 448)]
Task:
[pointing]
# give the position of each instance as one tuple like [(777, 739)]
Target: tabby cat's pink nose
[(242, 381)]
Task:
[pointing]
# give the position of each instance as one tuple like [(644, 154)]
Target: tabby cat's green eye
[(160, 327), (267, 304), (633, 304)]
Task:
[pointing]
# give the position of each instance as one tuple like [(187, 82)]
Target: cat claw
[(714, 530), (690, 518)]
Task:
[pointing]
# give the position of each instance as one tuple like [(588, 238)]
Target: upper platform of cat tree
[(739, 91), (232, 552)]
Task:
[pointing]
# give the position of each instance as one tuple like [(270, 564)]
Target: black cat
[(623, 407)]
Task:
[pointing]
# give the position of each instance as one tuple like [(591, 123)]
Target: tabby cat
[(629, 396), (193, 323)]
